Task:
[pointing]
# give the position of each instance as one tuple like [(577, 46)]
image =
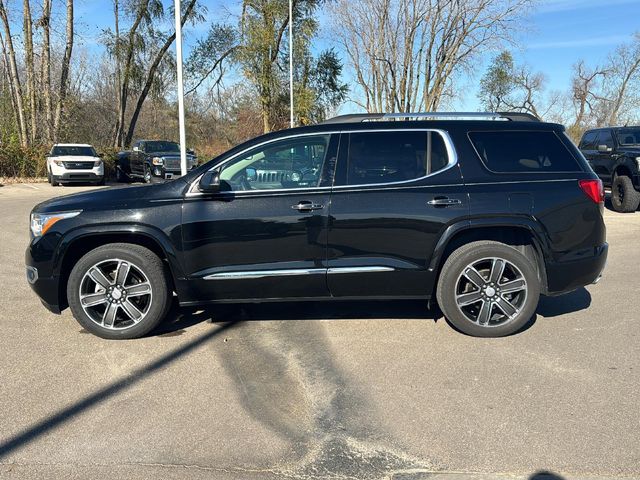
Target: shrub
[(19, 162)]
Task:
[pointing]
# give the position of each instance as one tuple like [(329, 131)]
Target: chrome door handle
[(444, 202), (307, 206)]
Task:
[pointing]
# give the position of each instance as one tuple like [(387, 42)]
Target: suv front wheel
[(488, 289), (119, 291)]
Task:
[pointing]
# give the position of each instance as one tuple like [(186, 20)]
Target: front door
[(395, 193), (264, 235)]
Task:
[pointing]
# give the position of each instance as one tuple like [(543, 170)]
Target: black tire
[(101, 182), (624, 197), (139, 258), (452, 277), (121, 177), (53, 181), (147, 178)]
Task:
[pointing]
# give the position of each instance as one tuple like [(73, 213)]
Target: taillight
[(594, 189)]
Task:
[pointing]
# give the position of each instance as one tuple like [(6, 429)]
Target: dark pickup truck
[(614, 154), (152, 160)]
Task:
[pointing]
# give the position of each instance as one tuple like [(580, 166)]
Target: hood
[(76, 158), (111, 198)]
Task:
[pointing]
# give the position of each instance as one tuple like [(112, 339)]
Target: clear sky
[(557, 34)]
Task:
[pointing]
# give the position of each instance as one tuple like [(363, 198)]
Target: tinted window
[(628, 136), (589, 141), (384, 157), (73, 151), (523, 152), (291, 163), (605, 138)]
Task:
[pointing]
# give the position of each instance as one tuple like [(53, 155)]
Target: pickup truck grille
[(270, 176), (171, 163), (78, 165)]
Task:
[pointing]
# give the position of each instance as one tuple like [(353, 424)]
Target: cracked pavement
[(358, 390)]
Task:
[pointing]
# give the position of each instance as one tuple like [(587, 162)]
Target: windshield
[(74, 151), (162, 147), (628, 136)]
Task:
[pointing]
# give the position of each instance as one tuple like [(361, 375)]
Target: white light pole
[(183, 135), (291, 61)]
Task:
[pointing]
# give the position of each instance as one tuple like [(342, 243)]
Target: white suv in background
[(74, 162)]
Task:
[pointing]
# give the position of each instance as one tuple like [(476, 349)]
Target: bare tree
[(14, 78), (45, 68), (27, 32), (623, 79), (64, 75), (584, 90), (406, 53)]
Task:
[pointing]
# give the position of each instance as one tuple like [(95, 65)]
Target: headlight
[(638, 162), (41, 222), (97, 163), (157, 161), (58, 162)]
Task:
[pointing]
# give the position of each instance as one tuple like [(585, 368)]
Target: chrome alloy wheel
[(491, 292), (115, 294)]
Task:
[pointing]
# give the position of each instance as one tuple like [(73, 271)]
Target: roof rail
[(383, 117)]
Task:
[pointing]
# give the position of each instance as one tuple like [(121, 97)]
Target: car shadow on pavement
[(575, 301), (545, 475), (181, 318)]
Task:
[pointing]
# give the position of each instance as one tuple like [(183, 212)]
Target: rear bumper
[(564, 277)]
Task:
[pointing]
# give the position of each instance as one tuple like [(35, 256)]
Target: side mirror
[(210, 182), (604, 148), (136, 149)]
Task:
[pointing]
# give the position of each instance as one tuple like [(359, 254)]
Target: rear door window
[(523, 151), (605, 138), (589, 141), (389, 157)]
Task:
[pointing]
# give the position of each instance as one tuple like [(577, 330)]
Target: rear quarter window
[(523, 151)]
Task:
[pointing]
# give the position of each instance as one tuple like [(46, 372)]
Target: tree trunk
[(28, 60), (122, 107), (151, 75), (45, 72), (14, 78), (64, 75)]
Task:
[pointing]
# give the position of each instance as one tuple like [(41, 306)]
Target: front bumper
[(43, 283), (564, 277), (62, 174)]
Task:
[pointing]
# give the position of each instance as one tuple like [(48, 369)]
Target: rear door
[(602, 161), (395, 193)]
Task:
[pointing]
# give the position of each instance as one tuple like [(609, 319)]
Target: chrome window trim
[(253, 274), (451, 153)]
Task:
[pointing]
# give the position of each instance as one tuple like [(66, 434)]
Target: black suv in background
[(614, 154), (483, 212), (152, 160)]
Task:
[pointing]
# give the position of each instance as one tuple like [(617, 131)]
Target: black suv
[(152, 160), (614, 154), (483, 212)]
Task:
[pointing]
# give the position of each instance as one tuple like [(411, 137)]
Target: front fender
[(120, 232)]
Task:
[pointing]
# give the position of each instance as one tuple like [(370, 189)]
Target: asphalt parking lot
[(357, 390)]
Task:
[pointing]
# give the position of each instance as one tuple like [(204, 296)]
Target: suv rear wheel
[(119, 291), (624, 197), (488, 289)]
